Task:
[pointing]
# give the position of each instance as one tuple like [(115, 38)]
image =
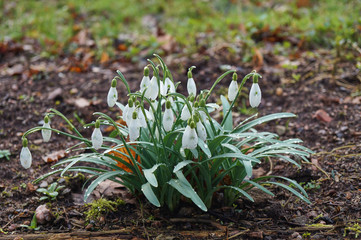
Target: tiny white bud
[(112, 96), (153, 89), (134, 129), (232, 90), (46, 134), (191, 87), (185, 115), (144, 83), (25, 158), (97, 138), (255, 95)]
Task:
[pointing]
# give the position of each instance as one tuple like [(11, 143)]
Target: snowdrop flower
[(168, 117), (134, 127), (45, 132), (233, 88), (152, 91), (255, 94), (112, 94), (141, 118), (170, 85), (25, 155), (201, 130), (191, 85), (190, 138), (151, 113), (128, 111), (145, 80), (97, 137), (186, 114)]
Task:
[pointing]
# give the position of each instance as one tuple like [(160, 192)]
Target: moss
[(101, 207)]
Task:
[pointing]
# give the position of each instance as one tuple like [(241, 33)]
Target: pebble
[(279, 91), (43, 214), (44, 184), (280, 130)]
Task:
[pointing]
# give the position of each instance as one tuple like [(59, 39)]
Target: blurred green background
[(191, 25)]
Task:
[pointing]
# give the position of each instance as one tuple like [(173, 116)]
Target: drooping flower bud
[(46, 133), (191, 85), (233, 88), (112, 94), (134, 127), (97, 137), (190, 138), (145, 80), (153, 89), (168, 117), (25, 155), (255, 94)]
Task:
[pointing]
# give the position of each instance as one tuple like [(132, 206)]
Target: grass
[(323, 24)]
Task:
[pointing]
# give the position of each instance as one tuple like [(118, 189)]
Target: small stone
[(12, 227), (279, 91), (44, 184), (43, 214), (55, 93), (73, 91), (280, 130)]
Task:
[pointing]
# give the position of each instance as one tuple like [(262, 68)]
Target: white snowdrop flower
[(134, 127), (255, 95), (163, 88), (233, 88), (168, 117), (152, 91), (170, 85), (97, 137), (141, 118), (112, 94), (185, 115), (191, 85), (25, 155), (46, 134), (151, 113), (145, 80), (128, 111), (201, 130), (190, 138), (203, 116)]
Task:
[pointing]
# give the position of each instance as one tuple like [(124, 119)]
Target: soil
[(328, 121)]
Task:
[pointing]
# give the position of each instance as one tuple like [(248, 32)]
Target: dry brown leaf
[(322, 116), (54, 156)]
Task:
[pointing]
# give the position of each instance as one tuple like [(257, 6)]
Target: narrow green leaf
[(228, 123), (204, 147), (149, 174), (181, 165), (149, 194)]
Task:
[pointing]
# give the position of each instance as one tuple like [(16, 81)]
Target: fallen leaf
[(322, 116), (54, 156), (104, 58), (55, 93)]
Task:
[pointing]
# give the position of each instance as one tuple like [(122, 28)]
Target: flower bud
[(97, 137), (25, 155), (46, 134)]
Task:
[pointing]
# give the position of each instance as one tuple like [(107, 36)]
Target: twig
[(270, 166), (239, 234), (318, 167)]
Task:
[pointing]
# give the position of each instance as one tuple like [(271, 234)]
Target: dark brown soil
[(328, 122)]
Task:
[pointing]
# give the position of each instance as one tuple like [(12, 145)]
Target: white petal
[(134, 128), (129, 115), (163, 88), (168, 119), (141, 118), (185, 115), (201, 130), (204, 116), (97, 138), (144, 83), (232, 90), (112, 96), (152, 91), (190, 138), (25, 157), (255, 95), (125, 112), (191, 87), (170, 85), (46, 133)]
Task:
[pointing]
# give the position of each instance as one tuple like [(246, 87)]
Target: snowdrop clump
[(167, 145)]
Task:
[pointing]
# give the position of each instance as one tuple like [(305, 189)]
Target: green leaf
[(181, 165), (149, 194), (228, 123), (204, 147), (260, 187), (100, 179), (5, 154), (149, 174), (299, 195), (241, 191), (263, 119)]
